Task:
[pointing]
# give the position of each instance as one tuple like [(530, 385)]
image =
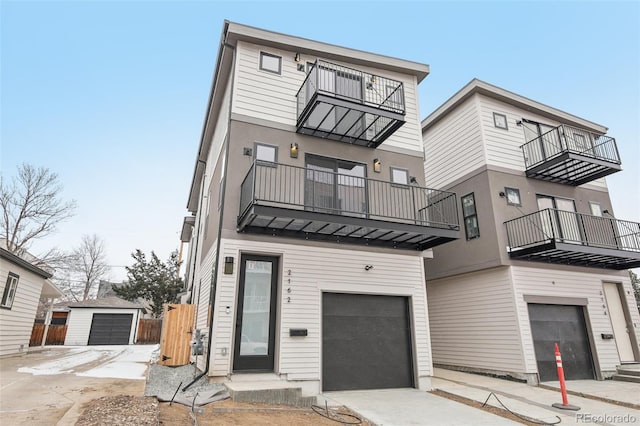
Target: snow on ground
[(119, 362)]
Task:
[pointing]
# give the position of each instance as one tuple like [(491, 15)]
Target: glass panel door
[(568, 220), (548, 217), (319, 188), (352, 194), (255, 321)]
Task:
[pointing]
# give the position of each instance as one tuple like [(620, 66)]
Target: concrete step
[(269, 392), (626, 378), (629, 369)]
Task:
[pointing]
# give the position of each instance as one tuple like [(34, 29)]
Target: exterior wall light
[(377, 166), (294, 150), (368, 267), (228, 265), (297, 57)]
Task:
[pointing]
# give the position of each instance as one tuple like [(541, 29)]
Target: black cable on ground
[(335, 415), (525, 418), (192, 412), (174, 394)]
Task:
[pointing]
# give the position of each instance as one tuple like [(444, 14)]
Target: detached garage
[(106, 321)]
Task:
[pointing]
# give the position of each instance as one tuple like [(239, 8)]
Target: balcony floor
[(570, 168), (344, 229), (578, 255)]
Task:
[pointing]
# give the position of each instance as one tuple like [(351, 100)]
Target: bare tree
[(90, 263), (31, 206)]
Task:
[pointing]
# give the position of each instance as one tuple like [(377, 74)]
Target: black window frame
[(271, 55), (506, 194), (474, 215), (7, 290), (495, 124)]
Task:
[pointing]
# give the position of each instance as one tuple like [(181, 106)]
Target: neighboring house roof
[(16, 260), (495, 92), (112, 302), (233, 32)]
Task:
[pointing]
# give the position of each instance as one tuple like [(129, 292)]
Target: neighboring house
[(106, 321), (22, 286), (544, 259), (312, 216), (105, 288)]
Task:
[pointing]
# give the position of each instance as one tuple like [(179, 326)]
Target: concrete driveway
[(388, 407), (49, 387)]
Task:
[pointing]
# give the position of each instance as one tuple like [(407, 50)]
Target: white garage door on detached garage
[(366, 342), (106, 321)]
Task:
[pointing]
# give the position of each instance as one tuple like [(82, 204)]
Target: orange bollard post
[(563, 386)]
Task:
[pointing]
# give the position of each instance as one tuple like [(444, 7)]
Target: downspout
[(195, 249), (214, 271)]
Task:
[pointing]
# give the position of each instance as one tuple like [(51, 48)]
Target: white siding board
[(300, 359), (472, 320), (453, 146), (16, 323), (272, 97), (547, 282)]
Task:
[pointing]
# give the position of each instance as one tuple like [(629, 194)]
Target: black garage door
[(564, 325), (110, 329), (366, 342)]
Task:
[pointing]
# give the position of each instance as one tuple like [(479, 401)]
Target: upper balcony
[(569, 238), (279, 199), (571, 156), (348, 105)]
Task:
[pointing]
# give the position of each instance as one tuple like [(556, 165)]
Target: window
[(513, 196), (271, 63), (470, 216), (9, 291), (596, 210), (399, 176), (500, 121), (266, 153)]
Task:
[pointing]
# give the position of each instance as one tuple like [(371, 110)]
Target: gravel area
[(120, 410)]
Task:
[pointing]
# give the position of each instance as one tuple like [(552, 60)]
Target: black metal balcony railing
[(298, 201), (559, 236), (349, 105), (570, 155)]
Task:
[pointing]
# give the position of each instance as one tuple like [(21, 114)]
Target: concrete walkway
[(403, 407), (536, 402)]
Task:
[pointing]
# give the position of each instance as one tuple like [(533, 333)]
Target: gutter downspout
[(214, 278)]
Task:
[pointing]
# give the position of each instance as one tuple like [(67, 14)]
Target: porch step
[(626, 378), (268, 392), (629, 369)]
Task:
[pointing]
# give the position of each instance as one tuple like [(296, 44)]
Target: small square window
[(271, 63), (9, 292), (596, 210), (399, 176), (513, 196), (500, 121), (266, 153)]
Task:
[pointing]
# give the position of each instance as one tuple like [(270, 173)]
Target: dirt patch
[(120, 410), (227, 413), (488, 408)]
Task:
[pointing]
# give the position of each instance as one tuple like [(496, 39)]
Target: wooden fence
[(149, 331), (55, 335)]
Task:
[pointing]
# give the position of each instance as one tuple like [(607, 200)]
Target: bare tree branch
[(31, 206), (91, 262)]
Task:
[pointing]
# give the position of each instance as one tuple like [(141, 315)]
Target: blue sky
[(112, 95)]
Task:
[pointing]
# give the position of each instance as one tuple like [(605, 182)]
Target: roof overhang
[(187, 228), (476, 86), (50, 291), (16, 260)]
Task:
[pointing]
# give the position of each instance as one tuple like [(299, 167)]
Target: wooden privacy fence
[(177, 325), (55, 336), (149, 331)]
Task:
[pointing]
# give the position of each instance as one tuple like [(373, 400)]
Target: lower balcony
[(278, 199), (563, 237)]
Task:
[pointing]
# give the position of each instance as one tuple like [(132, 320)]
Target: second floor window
[(9, 292), (266, 153), (470, 216), (271, 63), (399, 176)]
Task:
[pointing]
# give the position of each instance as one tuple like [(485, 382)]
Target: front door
[(256, 318), (619, 322)]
